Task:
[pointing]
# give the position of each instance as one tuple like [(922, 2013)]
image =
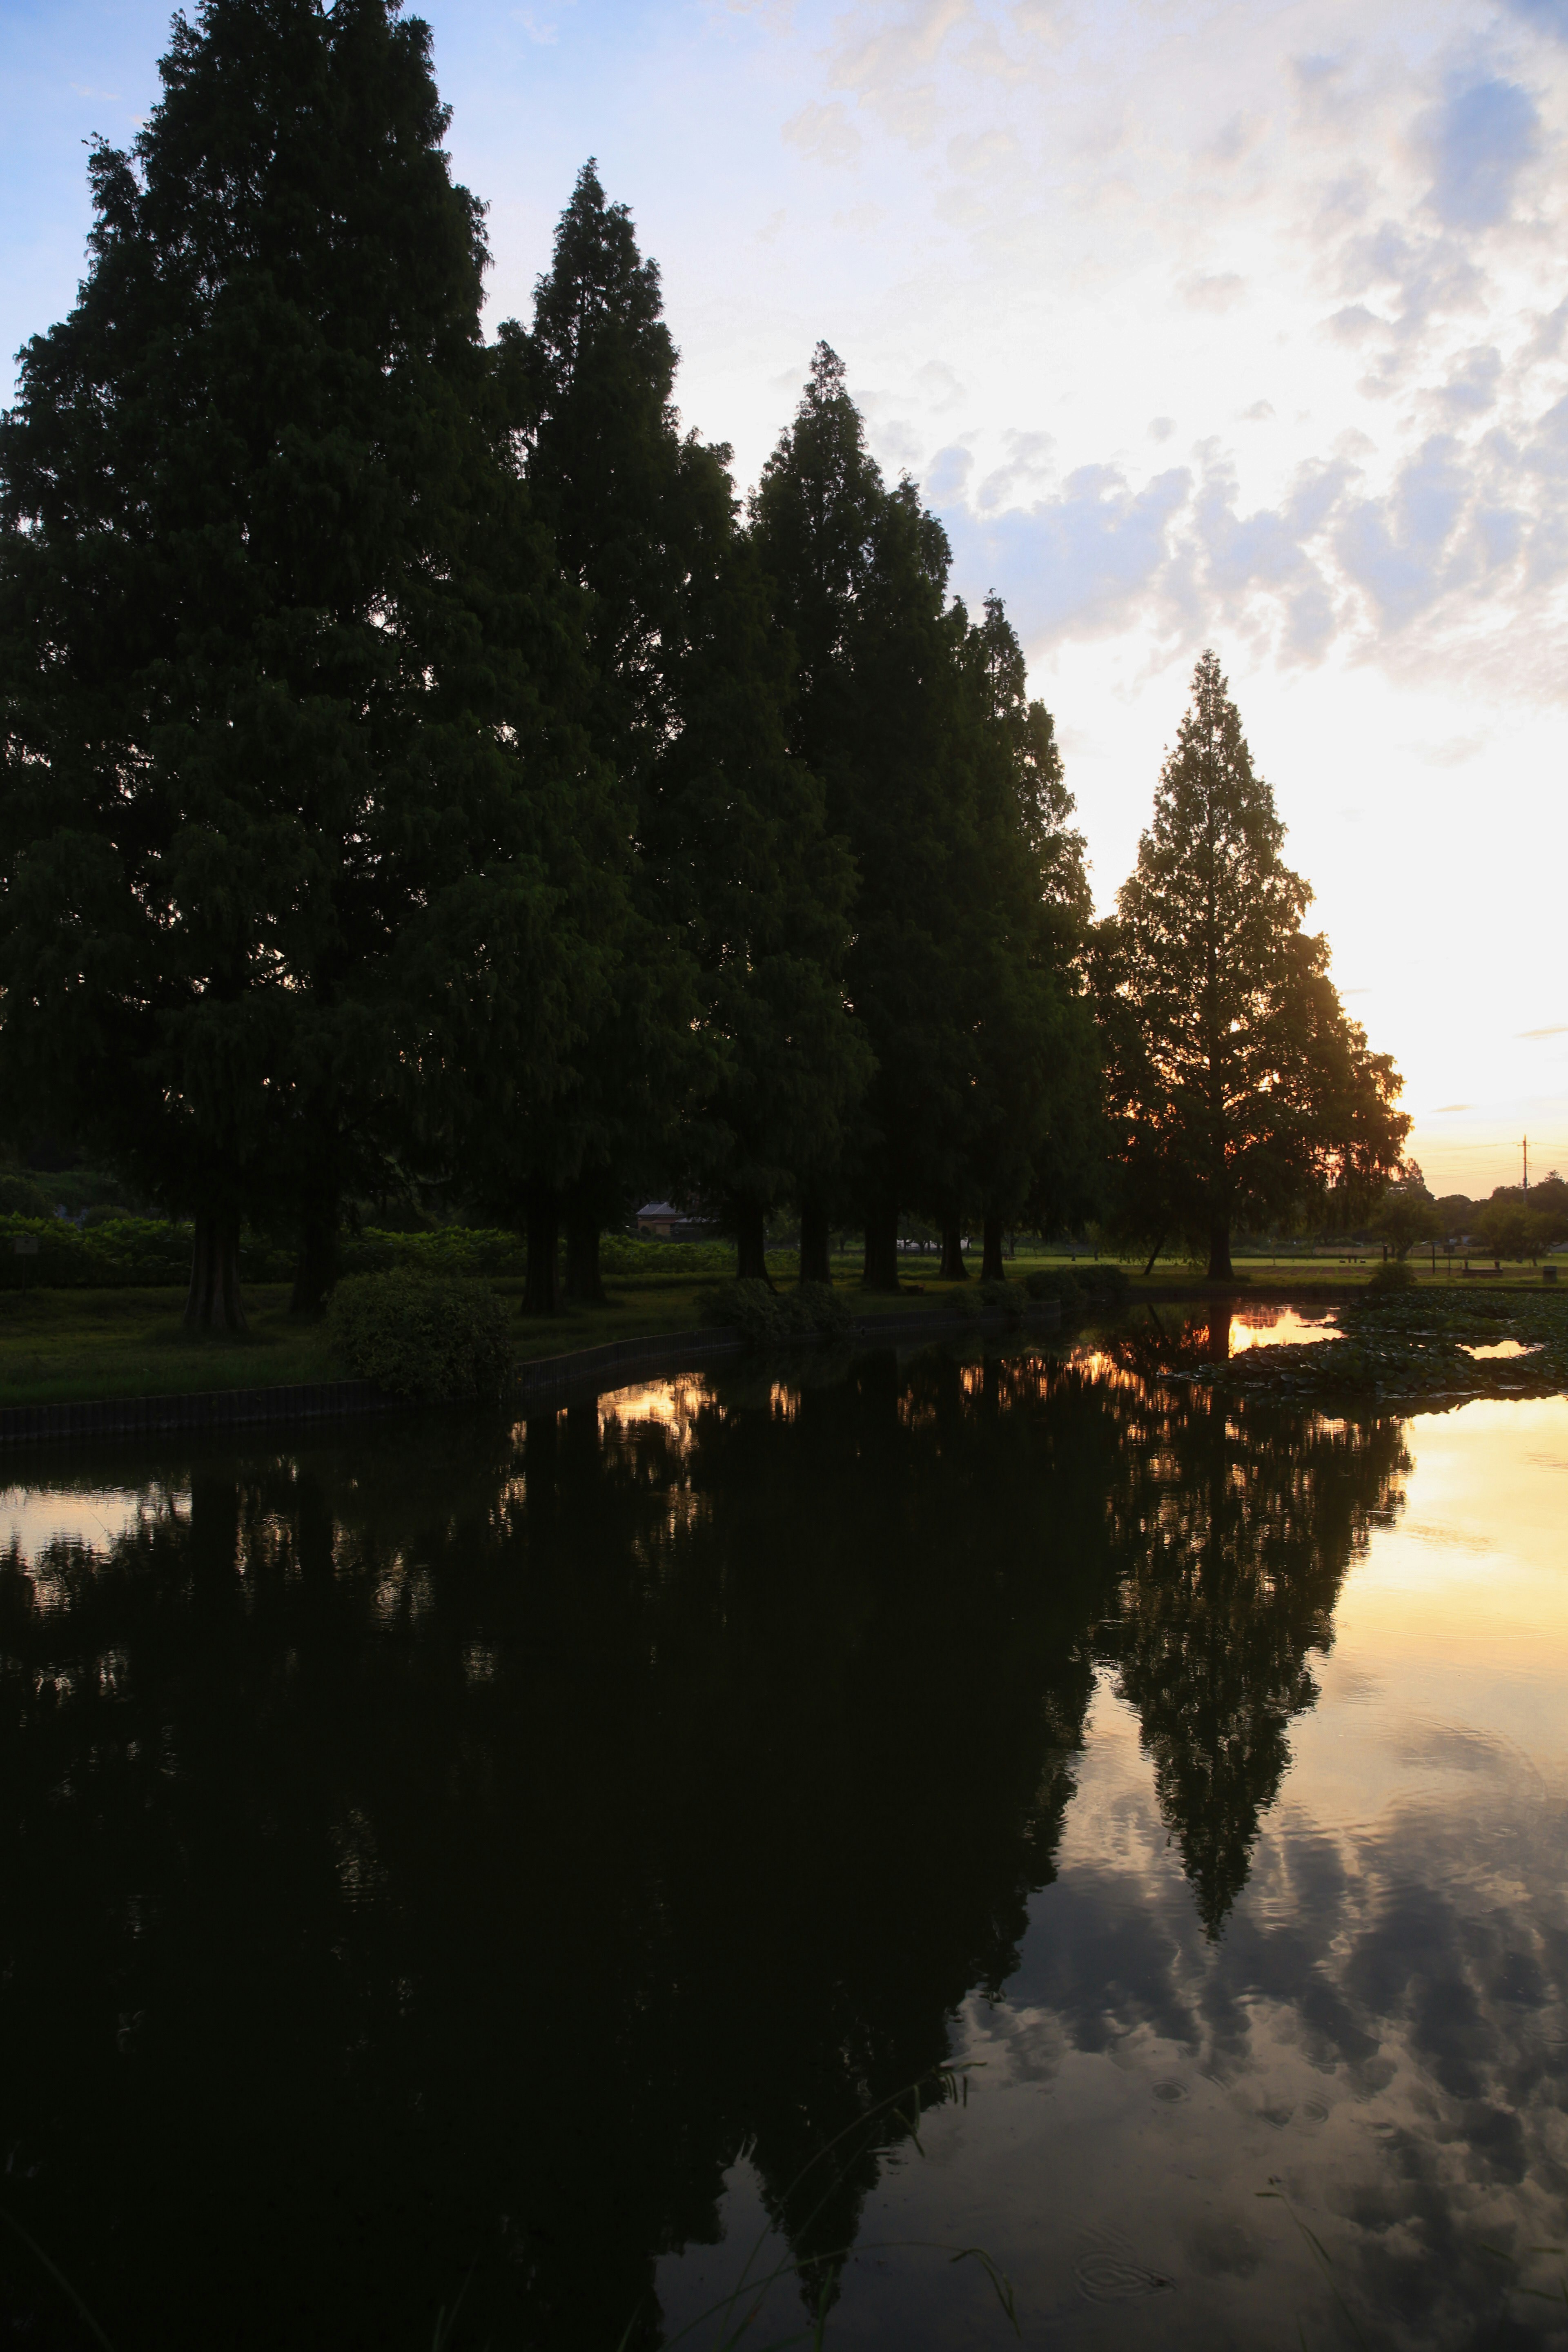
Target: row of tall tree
[(420, 768)]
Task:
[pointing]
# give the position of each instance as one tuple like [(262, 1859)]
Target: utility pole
[(1527, 1163)]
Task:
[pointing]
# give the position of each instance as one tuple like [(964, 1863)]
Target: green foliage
[(1407, 1214), (625, 1254), (945, 782), (1394, 1274), (767, 1319), (435, 1339), (1105, 1283), (726, 1043), (1508, 1227), (991, 1299), (1056, 1282), (290, 823), (1239, 1088), (125, 1251), (21, 1197)]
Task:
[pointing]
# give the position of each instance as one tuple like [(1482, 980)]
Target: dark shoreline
[(548, 1380)]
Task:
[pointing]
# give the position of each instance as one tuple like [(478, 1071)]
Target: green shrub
[(434, 1338), (1394, 1274), (21, 1197), (768, 1319), (987, 1297), (1056, 1282), (1102, 1280)]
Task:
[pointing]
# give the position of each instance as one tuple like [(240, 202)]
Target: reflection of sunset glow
[(32, 1519), (1463, 1603), (671, 1404), (1277, 1327)]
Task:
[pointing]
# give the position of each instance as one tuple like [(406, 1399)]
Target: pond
[(478, 1885)]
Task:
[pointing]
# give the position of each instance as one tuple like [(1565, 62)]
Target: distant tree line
[(424, 774), (1511, 1224)]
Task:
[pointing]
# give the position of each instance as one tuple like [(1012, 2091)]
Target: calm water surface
[(464, 1860)]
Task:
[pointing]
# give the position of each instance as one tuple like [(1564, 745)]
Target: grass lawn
[(58, 1346), (61, 1345)]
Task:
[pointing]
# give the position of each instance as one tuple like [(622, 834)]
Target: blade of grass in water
[(60, 2280)]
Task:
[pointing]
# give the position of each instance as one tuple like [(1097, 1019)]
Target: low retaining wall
[(200, 1408), (585, 1372)]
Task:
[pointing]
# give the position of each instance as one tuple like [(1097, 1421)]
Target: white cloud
[(824, 133)]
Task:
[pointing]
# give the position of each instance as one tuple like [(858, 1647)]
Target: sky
[(1198, 324)]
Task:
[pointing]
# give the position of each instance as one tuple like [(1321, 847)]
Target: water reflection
[(1280, 1327), (452, 1858)]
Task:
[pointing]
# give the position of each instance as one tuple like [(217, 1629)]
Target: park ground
[(61, 1346)]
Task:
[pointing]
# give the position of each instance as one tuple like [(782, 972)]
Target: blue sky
[(1199, 323)]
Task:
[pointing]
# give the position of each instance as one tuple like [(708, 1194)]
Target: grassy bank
[(61, 1346)]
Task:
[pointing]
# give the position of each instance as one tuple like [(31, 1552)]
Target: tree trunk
[(1154, 1254), (213, 1302), (1219, 1248), (991, 1268), (544, 1210), (952, 1266), (316, 1268), (815, 1265), (751, 1244), (883, 1247), (584, 1284)]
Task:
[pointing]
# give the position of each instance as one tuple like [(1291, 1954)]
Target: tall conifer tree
[(728, 1058), (1239, 1088), (1031, 1129), (946, 784), (286, 812)]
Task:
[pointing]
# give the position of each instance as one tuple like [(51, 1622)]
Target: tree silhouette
[(1236, 1085)]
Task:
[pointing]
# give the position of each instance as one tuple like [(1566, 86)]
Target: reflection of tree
[(456, 1852), (1232, 1527)]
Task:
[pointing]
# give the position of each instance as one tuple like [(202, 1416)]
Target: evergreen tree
[(945, 781), (1029, 1129), (287, 816), (1238, 1086), (726, 1060), (858, 574)]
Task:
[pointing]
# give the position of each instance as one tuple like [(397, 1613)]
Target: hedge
[(145, 1251)]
